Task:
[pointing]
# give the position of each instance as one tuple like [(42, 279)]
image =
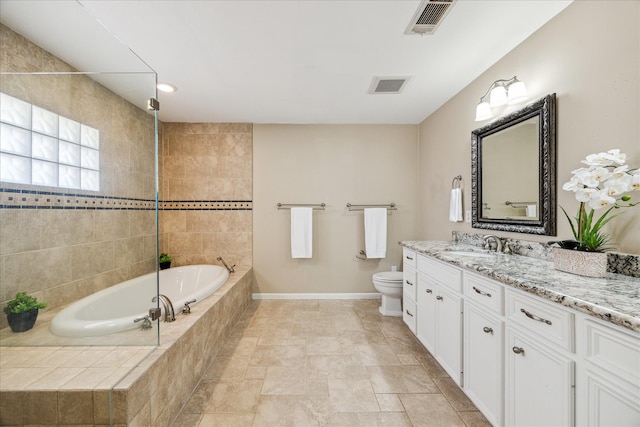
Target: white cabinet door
[(609, 376), (611, 402), (427, 315), (439, 325), (449, 333), (483, 361), (539, 386)]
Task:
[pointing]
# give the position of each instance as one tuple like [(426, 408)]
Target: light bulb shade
[(498, 96), (483, 111), (517, 93)]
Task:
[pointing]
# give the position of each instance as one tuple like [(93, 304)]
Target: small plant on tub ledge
[(603, 184), (22, 312), (164, 260)]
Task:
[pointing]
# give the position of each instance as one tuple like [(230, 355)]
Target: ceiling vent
[(429, 16), (387, 84)]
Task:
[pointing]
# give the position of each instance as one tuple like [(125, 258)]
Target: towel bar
[(389, 206), (457, 182), (519, 205), (300, 205)]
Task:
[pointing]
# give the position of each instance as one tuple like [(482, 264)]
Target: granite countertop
[(614, 298)]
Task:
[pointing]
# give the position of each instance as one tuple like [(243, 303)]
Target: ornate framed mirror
[(513, 168)]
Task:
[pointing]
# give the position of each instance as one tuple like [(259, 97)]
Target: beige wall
[(55, 251), (205, 175), (590, 56), (334, 164)]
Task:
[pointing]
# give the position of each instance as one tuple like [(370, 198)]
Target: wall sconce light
[(501, 92)]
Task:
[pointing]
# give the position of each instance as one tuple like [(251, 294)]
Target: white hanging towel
[(531, 211), (455, 205), (375, 232), (301, 232)]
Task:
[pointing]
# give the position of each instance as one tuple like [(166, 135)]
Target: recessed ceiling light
[(166, 87)]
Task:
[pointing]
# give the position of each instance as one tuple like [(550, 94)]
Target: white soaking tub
[(115, 308)]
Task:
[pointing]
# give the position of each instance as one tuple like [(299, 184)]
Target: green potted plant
[(165, 261), (603, 184), (22, 312)]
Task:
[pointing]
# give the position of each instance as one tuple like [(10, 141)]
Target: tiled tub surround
[(60, 244), (71, 386), (206, 188), (613, 298)]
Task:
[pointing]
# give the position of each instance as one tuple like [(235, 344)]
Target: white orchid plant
[(605, 183)]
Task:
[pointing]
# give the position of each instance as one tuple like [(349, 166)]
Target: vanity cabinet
[(539, 368), (409, 285), (484, 345), (539, 383), (439, 319), (523, 360), (608, 375)]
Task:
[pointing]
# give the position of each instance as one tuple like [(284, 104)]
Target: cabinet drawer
[(485, 292), (408, 258), (409, 313), (615, 351), (444, 274), (549, 321), (409, 282)]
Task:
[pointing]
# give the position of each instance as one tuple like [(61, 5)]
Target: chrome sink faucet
[(487, 245)]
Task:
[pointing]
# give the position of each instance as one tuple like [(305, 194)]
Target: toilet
[(389, 284)]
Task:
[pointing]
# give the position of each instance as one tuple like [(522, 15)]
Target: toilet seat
[(390, 277)]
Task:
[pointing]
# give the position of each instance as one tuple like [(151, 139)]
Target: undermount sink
[(472, 254)]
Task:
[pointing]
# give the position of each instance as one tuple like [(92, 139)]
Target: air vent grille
[(429, 16), (387, 84)]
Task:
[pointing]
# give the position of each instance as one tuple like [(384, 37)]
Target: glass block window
[(40, 147)]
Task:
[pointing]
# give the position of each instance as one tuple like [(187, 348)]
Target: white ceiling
[(289, 61)]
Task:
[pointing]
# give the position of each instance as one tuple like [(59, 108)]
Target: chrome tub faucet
[(169, 313)]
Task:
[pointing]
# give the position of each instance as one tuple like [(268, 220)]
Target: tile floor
[(325, 363)]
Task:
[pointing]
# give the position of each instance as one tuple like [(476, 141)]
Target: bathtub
[(115, 308)]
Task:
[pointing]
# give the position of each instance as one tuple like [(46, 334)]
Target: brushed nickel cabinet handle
[(409, 258), (487, 330), (486, 294), (409, 283), (428, 291), (534, 317), (518, 350), (408, 312), (439, 298)]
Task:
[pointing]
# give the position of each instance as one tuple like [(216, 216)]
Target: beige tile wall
[(61, 255), (210, 163)]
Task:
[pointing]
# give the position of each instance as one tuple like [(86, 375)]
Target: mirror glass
[(513, 171)]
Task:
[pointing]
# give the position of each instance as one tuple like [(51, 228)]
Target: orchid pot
[(604, 184)]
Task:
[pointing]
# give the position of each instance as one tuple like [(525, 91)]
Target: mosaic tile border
[(617, 262), (32, 199), (206, 205)]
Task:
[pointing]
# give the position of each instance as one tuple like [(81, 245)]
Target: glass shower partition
[(78, 206)]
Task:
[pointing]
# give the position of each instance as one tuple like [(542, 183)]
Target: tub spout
[(169, 313), (230, 269)]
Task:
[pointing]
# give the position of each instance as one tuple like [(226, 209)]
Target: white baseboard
[(373, 295)]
